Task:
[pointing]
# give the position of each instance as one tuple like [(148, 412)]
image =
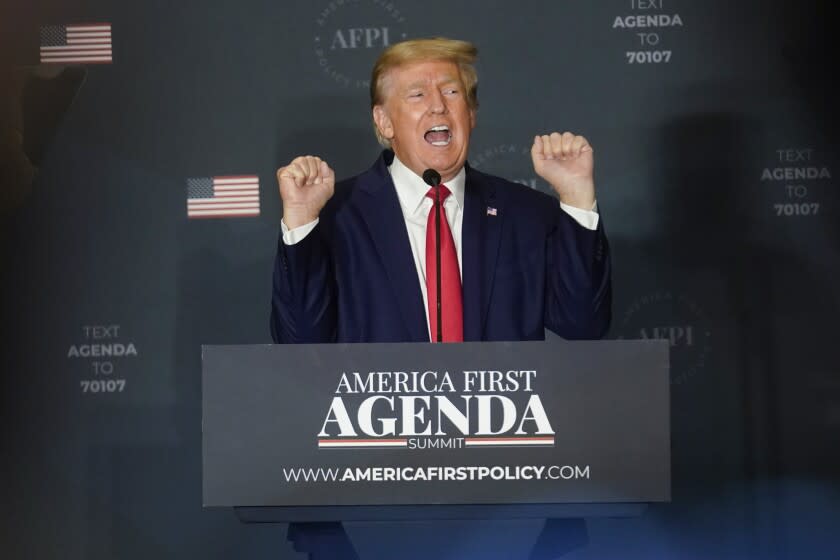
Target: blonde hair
[(462, 53)]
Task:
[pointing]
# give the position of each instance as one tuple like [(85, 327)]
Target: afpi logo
[(350, 34), (673, 317), (677, 335), (361, 37), (511, 161)]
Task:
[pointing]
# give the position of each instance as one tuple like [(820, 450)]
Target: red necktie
[(452, 317)]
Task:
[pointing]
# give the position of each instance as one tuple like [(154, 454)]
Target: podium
[(489, 430)]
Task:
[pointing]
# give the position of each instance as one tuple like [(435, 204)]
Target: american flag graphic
[(223, 197), (88, 43)]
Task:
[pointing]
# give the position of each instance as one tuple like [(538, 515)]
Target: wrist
[(296, 217), (584, 202)]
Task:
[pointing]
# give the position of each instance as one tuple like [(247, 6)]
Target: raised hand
[(306, 184), (566, 162)]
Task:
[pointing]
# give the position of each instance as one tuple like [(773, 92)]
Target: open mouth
[(438, 135)]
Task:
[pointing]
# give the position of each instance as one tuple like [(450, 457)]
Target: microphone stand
[(437, 260), (432, 178)]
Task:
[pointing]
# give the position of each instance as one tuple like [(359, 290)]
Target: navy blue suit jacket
[(526, 266)]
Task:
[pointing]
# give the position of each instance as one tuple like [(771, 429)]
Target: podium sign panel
[(423, 424)]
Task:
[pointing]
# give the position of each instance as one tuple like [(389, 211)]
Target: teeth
[(441, 128)]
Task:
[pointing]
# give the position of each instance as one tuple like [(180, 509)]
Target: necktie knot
[(444, 192)]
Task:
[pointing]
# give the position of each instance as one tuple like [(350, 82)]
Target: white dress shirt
[(415, 205)]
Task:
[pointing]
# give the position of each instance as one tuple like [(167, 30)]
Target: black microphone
[(432, 178)]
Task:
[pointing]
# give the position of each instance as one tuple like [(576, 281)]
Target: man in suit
[(352, 262), (355, 262)]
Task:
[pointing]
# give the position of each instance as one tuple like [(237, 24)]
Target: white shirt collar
[(411, 189)]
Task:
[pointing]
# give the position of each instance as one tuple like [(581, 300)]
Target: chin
[(446, 160)]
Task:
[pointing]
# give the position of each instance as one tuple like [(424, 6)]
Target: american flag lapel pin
[(492, 211)]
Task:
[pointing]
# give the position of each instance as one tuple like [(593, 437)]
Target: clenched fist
[(566, 162), (306, 184)]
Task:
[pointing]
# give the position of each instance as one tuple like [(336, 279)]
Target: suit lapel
[(480, 236), (379, 207)]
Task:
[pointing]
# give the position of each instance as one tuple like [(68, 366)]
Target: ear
[(472, 119), (383, 122)]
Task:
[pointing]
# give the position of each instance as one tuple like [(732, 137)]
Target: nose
[(437, 103)]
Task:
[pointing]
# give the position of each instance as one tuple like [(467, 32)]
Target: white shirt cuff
[(586, 218), (292, 236)]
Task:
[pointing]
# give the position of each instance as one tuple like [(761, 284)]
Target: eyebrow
[(446, 81)]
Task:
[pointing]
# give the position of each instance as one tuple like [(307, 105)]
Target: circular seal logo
[(511, 161), (349, 34), (677, 319)]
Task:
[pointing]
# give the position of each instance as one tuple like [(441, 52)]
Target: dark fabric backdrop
[(716, 246)]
